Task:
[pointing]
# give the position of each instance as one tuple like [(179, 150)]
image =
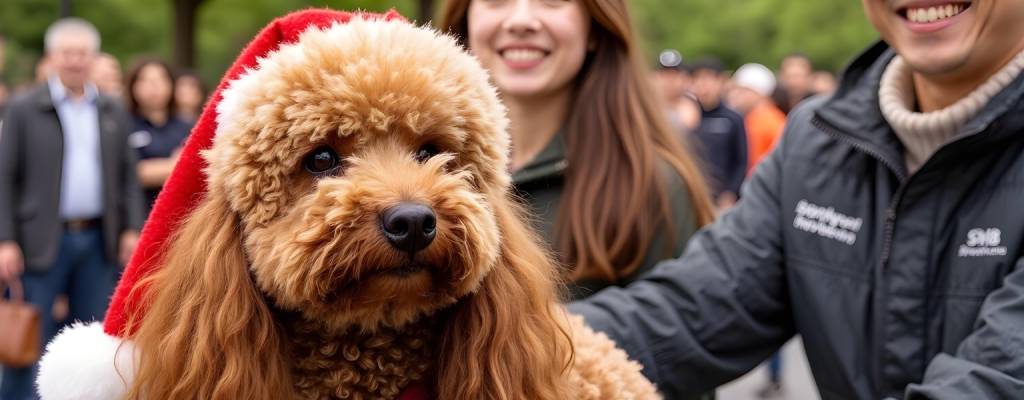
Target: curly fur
[(358, 365), (280, 285)]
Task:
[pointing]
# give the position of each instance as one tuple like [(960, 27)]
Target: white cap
[(755, 77), (670, 58)]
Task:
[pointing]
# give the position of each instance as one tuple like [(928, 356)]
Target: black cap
[(708, 63)]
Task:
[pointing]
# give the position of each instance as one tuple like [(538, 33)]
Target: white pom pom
[(80, 364)]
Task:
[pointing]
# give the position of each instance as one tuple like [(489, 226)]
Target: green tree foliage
[(23, 23), (831, 32), (226, 26), (738, 31), (134, 28)]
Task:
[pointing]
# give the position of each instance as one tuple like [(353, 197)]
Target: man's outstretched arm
[(713, 314)]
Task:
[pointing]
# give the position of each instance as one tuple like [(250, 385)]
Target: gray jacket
[(31, 154), (904, 286)]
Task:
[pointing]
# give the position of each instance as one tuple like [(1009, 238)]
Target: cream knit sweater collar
[(923, 133)]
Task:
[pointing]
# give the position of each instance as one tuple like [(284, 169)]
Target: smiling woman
[(592, 152)]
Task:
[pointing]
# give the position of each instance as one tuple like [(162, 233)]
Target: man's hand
[(11, 261), (128, 241), (725, 201)]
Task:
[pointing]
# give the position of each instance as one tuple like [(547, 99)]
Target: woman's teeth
[(522, 55), (932, 14)]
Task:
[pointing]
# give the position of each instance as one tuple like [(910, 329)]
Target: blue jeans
[(84, 273), (775, 368)]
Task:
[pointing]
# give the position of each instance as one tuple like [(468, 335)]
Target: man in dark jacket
[(886, 229), (721, 138), (70, 204)]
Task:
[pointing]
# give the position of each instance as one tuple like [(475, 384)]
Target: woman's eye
[(321, 161), (426, 152)]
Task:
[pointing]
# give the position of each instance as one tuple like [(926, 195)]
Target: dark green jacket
[(540, 184)]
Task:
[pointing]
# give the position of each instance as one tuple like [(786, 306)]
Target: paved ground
[(797, 383)]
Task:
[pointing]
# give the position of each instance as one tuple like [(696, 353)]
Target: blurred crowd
[(187, 91), (161, 102), (66, 230), (732, 119)]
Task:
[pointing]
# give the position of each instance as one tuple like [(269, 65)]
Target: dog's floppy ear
[(508, 340), (207, 331)]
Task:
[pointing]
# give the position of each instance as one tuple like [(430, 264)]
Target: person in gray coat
[(886, 228), (70, 203)]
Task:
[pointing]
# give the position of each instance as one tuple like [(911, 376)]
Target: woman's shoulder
[(680, 225)]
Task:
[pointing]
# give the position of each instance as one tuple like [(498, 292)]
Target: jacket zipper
[(890, 212), (889, 231)]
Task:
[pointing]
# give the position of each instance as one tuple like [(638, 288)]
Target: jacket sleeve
[(713, 314), (134, 202), (10, 136), (989, 363)]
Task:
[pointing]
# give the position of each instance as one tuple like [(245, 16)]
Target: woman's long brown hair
[(618, 142)]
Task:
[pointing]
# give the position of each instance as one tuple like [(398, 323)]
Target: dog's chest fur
[(358, 365)]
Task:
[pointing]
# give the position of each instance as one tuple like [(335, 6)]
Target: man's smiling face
[(950, 38)]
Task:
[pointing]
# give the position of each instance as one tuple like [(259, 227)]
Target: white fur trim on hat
[(80, 364)]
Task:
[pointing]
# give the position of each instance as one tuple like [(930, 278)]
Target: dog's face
[(364, 162)]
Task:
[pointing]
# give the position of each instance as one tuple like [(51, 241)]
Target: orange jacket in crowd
[(764, 127)]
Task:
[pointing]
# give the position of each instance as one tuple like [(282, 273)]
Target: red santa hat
[(80, 362), (179, 196)]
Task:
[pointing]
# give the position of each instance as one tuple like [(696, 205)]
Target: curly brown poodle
[(359, 237)]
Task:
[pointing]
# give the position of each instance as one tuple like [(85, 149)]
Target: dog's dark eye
[(321, 161), (426, 152)]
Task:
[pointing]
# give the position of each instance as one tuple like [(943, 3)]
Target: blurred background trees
[(831, 32), (207, 34)]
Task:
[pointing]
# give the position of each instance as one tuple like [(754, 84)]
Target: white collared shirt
[(81, 186)]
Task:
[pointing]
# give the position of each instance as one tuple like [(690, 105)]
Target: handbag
[(20, 336)]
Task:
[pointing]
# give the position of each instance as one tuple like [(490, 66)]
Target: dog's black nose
[(410, 227)]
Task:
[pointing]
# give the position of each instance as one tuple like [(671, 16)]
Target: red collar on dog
[(416, 391)]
